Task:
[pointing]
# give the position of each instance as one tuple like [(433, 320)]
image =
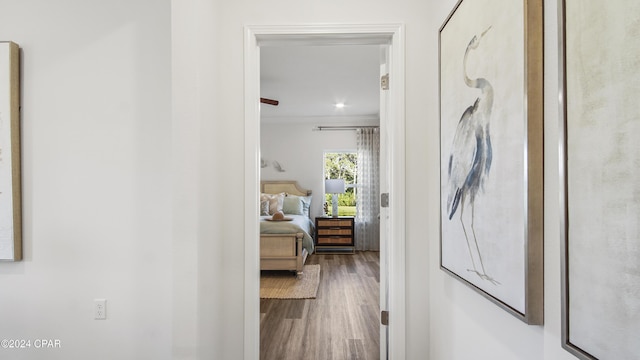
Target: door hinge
[(384, 82), (384, 200), (384, 317)]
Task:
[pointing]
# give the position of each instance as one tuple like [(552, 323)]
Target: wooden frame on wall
[(10, 179), (599, 168), (491, 72)]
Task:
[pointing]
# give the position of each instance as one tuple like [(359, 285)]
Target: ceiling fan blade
[(269, 101)]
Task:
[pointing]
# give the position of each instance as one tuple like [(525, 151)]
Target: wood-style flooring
[(342, 322)]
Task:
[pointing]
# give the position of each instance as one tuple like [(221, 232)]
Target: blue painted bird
[(470, 158)]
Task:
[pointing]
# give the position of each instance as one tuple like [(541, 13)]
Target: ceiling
[(309, 80)]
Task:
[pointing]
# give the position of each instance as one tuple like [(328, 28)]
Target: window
[(342, 165)]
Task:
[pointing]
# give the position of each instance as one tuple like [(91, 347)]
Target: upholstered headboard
[(283, 186)]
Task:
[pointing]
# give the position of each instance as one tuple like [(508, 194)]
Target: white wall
[(300, 151), (445, 319), (96, 152)]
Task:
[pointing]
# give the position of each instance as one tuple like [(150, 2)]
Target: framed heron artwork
[(10, 193), (491, 151), (600, 167)]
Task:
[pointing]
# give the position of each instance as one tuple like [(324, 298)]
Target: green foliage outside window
[(342, 165)]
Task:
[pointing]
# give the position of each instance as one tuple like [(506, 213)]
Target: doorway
[(392, 276)]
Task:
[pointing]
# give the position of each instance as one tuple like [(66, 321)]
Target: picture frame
[(10, 167), (600, 195), (491, 190)]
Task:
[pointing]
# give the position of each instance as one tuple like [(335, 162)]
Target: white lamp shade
[(334, 186)]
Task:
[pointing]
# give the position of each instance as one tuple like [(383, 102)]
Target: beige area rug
[(285, 285)]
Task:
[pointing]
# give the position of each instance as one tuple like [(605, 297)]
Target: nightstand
[(335, 235)]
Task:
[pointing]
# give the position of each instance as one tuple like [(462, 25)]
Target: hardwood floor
[(341, 323)]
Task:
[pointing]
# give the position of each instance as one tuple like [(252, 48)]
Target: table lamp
[(334, 187)]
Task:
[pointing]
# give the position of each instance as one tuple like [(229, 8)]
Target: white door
[(384, 189)]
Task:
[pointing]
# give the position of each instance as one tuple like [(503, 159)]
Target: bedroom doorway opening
[(390, 40)]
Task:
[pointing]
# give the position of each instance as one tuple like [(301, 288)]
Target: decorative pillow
[(292, 205), (294, 202), (275, 201), (264, 208), (306, 205)]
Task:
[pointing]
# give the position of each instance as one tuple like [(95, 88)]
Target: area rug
[(285, 285)]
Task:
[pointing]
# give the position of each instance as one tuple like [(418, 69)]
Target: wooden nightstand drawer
[(335, 223), (335, 240), (337, 231)]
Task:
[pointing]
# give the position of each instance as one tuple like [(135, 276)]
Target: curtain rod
[(346, 127)]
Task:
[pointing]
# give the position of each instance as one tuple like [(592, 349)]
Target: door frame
[(392, 35)]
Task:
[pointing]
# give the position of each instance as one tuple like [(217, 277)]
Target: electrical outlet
[(100, 309)]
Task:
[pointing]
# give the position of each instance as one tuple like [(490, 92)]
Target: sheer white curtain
[(367, 225)]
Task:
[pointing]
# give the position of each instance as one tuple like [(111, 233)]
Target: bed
[(285, 245)]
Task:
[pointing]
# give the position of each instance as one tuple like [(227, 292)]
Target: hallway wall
[(96, 149)]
